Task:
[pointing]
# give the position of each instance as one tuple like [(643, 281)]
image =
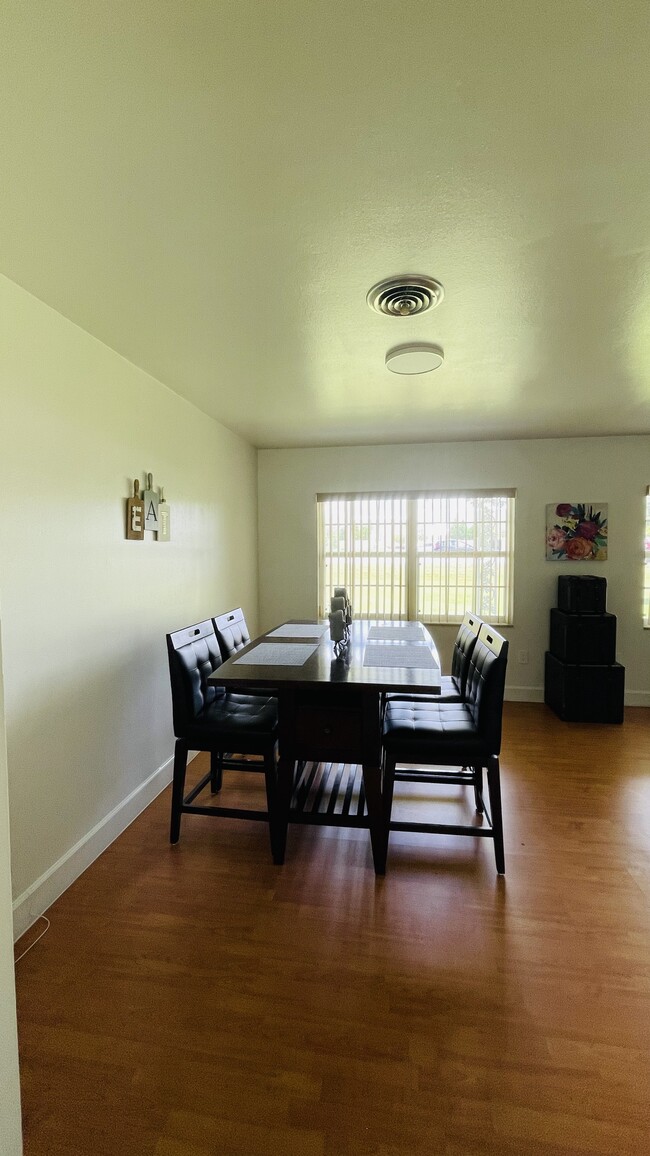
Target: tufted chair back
[(193, 655), (486, 678), (232, 632), (463, 647)]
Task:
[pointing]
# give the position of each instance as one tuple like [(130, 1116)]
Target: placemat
[(411, 633), (412, 657), (298, 630), (278, 654)]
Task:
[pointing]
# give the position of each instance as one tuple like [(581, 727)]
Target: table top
[(322, 667)]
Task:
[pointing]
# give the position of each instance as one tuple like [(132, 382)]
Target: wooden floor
[(198, 1001)]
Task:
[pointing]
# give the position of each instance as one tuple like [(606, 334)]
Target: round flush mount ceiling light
[(405, 296), (414, 358)]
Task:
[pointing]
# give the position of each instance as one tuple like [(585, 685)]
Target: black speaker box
[(581, 594), (581, 638), (584, 693)]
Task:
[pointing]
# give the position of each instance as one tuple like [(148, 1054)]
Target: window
[(429, 556), (646, 569)]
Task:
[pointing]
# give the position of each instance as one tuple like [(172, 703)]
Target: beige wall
[(85, 612), (613, 470), (10, 1129)]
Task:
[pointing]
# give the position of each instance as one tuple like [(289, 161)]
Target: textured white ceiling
[(212, 187)]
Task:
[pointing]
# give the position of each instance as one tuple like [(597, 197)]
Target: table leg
[(372, 785), (286, 769)]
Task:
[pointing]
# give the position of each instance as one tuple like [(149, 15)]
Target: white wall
[(88, 708), (614, 470), (10, 1124)]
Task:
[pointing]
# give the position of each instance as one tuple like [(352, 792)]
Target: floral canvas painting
[(576, 532)]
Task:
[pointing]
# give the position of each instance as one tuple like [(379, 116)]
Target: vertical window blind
[(431, 556), (363, 546)]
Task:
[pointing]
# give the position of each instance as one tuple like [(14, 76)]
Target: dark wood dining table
[(329, 708)]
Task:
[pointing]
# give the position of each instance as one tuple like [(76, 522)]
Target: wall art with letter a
[(150, 505), (147, 510)]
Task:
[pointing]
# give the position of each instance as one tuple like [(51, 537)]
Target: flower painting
[(576, 532)]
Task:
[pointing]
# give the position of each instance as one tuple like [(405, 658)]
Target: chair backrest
[(193, 655), (486, 678), (232, 632), (463, 646)]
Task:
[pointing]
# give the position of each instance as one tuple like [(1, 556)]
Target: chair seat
[(232, 715), (449, 692), (437, 733), (449, 689)]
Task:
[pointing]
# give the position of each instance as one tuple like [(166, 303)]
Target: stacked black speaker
[(583, 682)]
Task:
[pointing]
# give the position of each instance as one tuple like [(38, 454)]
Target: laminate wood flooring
[(198, 1001)]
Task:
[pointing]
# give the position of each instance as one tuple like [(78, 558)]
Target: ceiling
[(212, 186)]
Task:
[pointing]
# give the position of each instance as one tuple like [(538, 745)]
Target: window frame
[(412, 554)]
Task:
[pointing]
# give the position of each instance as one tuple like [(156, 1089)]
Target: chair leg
[(180, 767), (388, 789), (374, 802), (478, 789), (494, 787), (216, 771)]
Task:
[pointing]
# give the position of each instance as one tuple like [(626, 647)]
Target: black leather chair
[(232, 632), (452, 686), (233, 635), (454, 735), (208, 718)]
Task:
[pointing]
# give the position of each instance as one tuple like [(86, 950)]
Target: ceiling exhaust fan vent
[(405, 296)]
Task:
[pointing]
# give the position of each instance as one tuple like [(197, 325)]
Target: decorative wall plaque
[(135, 514), (148, 511), (150, 505), (163, 518)]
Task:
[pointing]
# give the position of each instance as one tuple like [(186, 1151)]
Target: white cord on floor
[(35, 941)]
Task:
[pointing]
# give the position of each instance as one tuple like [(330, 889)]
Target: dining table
[(330, 709)]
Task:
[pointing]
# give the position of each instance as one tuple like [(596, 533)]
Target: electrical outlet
[(523, 657)]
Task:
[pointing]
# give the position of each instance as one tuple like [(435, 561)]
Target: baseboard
[(524, 694), (536, 694), (43, 892), (637, 698)]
